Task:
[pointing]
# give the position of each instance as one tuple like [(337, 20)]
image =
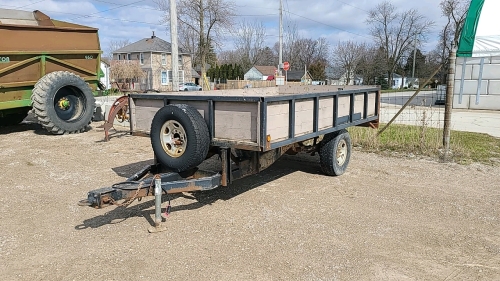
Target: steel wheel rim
[(70, 104), (173, 138), (341, 154)]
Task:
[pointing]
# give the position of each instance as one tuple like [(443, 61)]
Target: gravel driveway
[(385, 219)]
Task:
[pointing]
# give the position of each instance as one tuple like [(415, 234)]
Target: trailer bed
[(262, 119)]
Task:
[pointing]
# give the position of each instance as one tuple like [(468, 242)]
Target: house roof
[(195, 74), (266, 70), (105, 60), (294, 75), (151, 44)]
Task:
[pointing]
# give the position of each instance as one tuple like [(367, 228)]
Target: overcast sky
[(335, 20)]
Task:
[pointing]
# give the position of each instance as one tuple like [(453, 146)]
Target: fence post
[(449, 103)]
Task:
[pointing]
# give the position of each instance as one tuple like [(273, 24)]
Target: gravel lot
[(385, 219)]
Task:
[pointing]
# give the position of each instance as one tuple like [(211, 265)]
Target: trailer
[(48, 66), (248, 129)]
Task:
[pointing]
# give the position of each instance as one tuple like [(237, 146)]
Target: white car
[(189, 87)]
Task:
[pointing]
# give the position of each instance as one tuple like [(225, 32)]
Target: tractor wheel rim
[(173, 138), (341, 152)]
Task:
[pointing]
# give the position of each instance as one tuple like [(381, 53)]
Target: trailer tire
[(335, 153), (179, 137), (63, 103)]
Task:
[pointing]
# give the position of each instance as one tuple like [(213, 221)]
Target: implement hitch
[(138, 186)]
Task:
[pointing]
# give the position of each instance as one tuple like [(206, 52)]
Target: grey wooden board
[(236, 121)]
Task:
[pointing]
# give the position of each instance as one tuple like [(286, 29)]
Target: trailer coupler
[(133, 187)]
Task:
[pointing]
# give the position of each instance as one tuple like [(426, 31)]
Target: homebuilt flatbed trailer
[(249, 129)]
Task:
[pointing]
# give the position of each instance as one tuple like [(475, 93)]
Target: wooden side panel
[(236, 121), (278, 120), (143, 111), (359, 104), (326, 110), (344, 106), (371, 104), (304, 116), (201, 106)]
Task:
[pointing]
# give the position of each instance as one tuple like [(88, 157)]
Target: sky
[(335, 20)]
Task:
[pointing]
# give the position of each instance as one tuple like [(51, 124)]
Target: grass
[(466, 147)]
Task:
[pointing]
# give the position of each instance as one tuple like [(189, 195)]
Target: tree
[(347, 55), (395, 32), (126, 71), (455, 11), (249, 42), (371, 66), (317, 70), (202, 23), (115, 45), (420, 61)]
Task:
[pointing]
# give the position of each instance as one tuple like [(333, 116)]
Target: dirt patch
[(385, 219)]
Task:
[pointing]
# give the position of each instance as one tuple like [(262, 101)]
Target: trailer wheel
[(335, 152), (179, 137), (63, 103)]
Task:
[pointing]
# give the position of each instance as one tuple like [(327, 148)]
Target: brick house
[(154, 56)]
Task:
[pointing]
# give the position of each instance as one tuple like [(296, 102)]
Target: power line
[(28, 4), (352, 6), (329, 25), (121, 6), (135, 6)]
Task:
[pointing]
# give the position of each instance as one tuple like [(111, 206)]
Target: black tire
[(63, 103), (13, 118), (185, 90), (185, 126), (335, 153)]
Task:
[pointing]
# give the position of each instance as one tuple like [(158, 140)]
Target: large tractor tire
[(63, 103), (179, 137), (335, 153)]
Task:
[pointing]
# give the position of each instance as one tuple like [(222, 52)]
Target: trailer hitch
[(135, 187)]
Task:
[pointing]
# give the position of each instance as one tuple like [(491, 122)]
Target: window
[(119, 57), (164, 78), (163, 59), (141, 58), (129, 57)]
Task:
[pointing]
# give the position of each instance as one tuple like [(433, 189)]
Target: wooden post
[(449, 103)]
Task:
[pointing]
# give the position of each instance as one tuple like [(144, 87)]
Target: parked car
[(189, 87)]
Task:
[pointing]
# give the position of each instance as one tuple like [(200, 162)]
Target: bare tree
[(250, 37), (228, 57), (371, 65), (305, 51), (455, 11), (396, 31), (115, 45), (347, 56), (202, 23)]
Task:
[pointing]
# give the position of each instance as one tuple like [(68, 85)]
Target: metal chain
[(128, 201)]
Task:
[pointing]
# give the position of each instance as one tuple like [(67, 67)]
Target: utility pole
[(449, 103), (280, 64), (414, 56), (175, 49)]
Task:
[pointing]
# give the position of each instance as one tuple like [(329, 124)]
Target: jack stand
[(158, 192)]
